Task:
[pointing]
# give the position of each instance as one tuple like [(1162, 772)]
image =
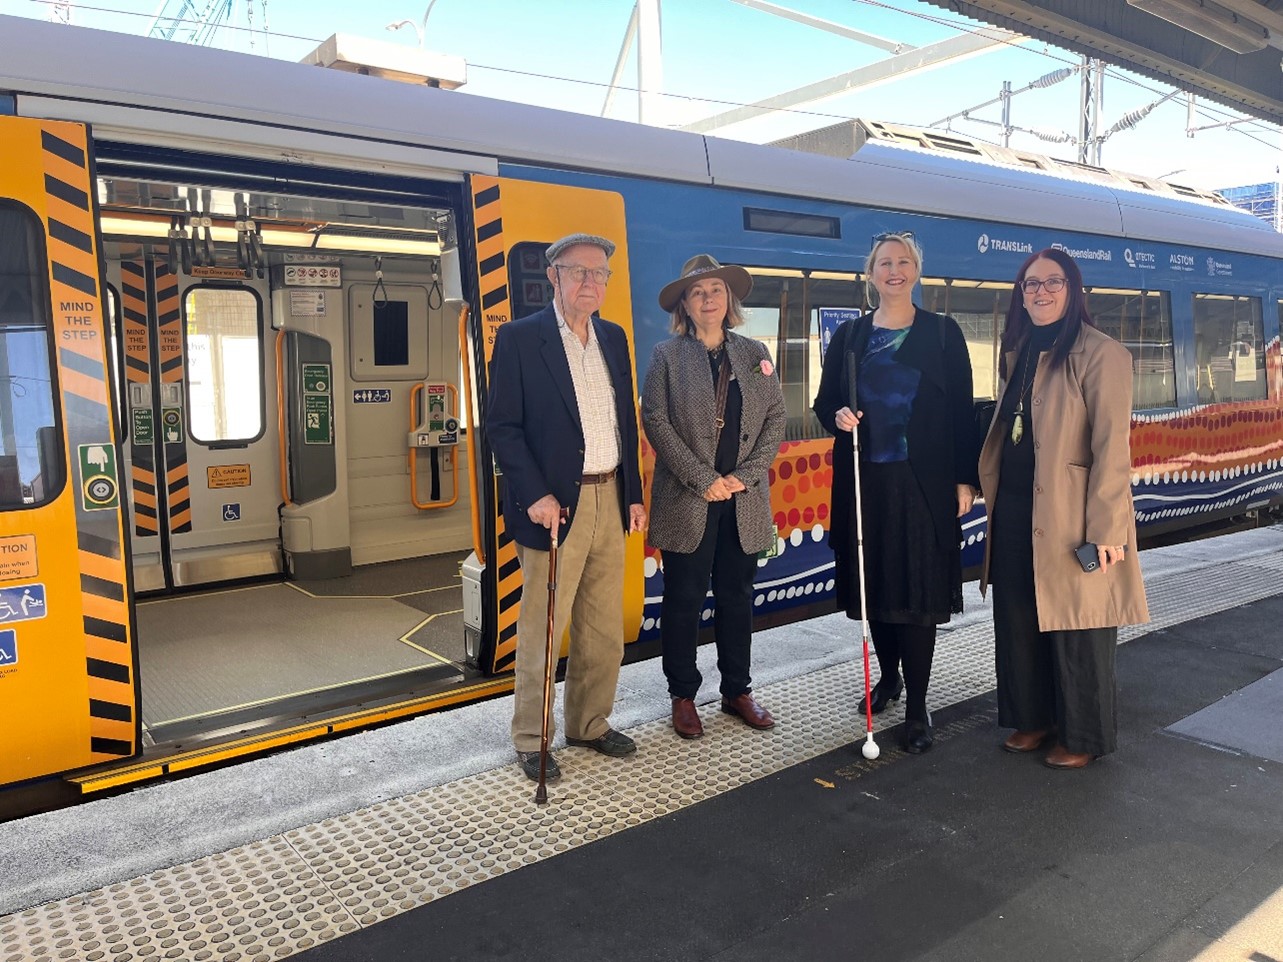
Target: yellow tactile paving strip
[(274, 898)]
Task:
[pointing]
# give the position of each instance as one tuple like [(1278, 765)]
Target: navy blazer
[(532, 420)]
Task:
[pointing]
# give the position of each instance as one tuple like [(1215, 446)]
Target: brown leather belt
[(600, 478)]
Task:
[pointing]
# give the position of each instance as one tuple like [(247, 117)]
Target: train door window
[(1229, 348), (31, 457), (529, 289), (115, 352), (391, 333), (1142, 322), (224, 364), (980, 308)]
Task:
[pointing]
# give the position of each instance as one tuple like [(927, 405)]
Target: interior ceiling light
[(1209, 21)]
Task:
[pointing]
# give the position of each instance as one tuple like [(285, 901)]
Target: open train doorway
[(292, 447)]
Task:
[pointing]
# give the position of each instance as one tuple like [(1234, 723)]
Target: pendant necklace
[(1018, 416)]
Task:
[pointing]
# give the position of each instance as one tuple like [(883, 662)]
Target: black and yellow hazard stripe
[(169, 351), (492, 276), (83, 379), (133, 303)]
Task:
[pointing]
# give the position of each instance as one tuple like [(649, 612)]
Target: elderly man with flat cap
[(562, 423)]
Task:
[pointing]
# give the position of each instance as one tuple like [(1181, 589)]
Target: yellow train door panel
[(68, 671), (515, 221)]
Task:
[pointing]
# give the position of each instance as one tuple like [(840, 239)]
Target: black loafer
[(883, 693), (918, 737), (529, 762), (612, 743)]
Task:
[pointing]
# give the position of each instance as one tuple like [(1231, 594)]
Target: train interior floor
[(213, 657), (421, 840)]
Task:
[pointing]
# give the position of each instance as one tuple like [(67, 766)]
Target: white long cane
[(870, 748)]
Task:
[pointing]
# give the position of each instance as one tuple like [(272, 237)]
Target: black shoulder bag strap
[(723, 385)]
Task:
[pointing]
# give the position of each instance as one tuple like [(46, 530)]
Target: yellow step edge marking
[(253, 745)]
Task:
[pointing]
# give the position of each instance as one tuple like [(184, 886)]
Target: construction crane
[(190, 21)]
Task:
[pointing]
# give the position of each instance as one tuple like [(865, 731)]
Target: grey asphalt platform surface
[(1170, 850)]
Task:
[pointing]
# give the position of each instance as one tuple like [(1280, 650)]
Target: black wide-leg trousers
[(1046, 679), (720, 558)]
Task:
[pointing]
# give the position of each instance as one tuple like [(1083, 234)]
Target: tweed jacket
[(1082, 485), (532, 418), (679, 401)]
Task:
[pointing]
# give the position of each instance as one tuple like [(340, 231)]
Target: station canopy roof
[(1228, 51)]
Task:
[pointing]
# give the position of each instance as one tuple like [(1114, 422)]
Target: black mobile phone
[(1088, 556)]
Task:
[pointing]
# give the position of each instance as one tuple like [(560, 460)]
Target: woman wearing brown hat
[(714, 413)]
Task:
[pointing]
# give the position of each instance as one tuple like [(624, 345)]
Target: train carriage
[(246, 309)]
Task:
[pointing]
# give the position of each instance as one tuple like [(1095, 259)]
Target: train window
[(224, 364), (1229, 348), (791, 222), (782, 311), (1143, 323), (31, 456), (980, 308)]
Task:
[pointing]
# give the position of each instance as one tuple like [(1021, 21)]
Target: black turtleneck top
[(1017, 471)]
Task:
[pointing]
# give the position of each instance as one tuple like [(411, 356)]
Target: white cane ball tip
[(871, 750)]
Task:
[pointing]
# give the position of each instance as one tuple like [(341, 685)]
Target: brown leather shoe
[(686, 719), (1061, 757), (750, 712), (1025, 741)]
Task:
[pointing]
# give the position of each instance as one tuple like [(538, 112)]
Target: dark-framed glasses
[(598, 275), (1053, 285)]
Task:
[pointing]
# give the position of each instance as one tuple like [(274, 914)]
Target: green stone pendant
[(1017, 427)]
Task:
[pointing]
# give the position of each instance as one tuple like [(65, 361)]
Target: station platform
[(422, 841)]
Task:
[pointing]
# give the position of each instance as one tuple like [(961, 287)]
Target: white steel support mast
[(644, 27)]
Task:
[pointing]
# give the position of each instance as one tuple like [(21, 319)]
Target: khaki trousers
[(590, 590)]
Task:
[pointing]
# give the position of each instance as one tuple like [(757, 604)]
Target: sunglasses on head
[(900, 235)]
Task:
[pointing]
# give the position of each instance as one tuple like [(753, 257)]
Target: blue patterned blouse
[(885, 391)]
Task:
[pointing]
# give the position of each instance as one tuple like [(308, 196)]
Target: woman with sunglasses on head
[(917, 473), (714, 412), (1061, 552)]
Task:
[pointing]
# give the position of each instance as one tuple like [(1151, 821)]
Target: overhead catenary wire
[(1203, 109)]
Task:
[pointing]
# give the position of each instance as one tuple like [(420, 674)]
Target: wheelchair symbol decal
[(232, 512)]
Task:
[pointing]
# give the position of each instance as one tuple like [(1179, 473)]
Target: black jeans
[(686, 580)]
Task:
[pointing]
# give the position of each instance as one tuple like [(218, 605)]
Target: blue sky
[(718, 53)]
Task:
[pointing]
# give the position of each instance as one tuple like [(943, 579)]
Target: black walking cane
[(541, 793), (870, 748)]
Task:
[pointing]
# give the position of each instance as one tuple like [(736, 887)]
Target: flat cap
[(571, 240)]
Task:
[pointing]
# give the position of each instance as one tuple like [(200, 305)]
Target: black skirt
[(911, 580)]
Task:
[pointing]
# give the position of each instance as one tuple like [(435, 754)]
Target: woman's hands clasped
[(723, 489)]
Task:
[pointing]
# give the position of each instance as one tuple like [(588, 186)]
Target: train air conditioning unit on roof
[(390, 61)]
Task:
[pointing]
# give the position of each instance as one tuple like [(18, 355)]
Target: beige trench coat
[(1082, 485)]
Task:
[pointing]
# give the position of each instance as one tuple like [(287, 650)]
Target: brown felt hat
[(701, 267)]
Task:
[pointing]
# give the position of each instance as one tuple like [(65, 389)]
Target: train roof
[(137, 89)]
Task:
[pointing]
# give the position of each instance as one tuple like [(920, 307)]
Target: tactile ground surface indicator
[(271, 899)]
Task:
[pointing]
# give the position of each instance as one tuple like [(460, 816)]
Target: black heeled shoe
[(918, 736), (883, 693)]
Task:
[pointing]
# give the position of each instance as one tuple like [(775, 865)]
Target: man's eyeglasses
[(1054, 285), (598, 275)]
